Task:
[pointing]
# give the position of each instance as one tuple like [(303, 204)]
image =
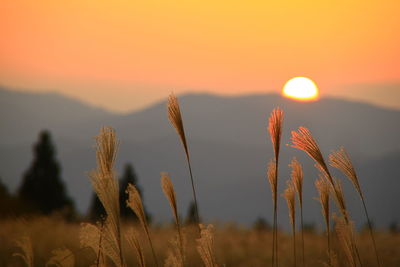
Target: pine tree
[(42, 187)]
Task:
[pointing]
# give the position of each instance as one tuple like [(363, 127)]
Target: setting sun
[(301, 88)]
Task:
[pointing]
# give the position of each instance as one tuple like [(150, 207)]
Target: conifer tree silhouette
[(42, 187)]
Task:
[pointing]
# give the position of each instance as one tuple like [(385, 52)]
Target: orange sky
[(123, 55)]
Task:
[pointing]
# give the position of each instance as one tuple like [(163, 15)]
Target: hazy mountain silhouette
[(229, 145)]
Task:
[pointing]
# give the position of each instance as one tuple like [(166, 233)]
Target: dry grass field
[(234, 246)]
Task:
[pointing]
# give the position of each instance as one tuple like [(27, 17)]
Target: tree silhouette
[(42, 187), (129, 177)]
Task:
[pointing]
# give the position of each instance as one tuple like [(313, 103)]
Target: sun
[(301, 88)]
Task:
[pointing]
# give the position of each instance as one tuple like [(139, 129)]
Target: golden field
[(234, 245)]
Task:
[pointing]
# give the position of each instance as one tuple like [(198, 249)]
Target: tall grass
[(289, 195), (105, 184), (132, 238), (24, 243), (345, 233), (297, 181), (169, 193), (175, 117), (303, 140), (135, 203), (205, 246), (340, 159), (275, 123)]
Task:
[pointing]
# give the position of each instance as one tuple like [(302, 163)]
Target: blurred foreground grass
[(234, 245)]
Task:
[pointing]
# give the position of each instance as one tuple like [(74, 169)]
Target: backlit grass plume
[(271, 174), (105, 184), (205, 246), (297, 181), (169, 192), (337, 191), (26, 254), (345, 234), (340, 159), (303, 140), (135, 203), (175, 117), (289, 195), (275, 123), (323, 197), (61, 257), (175, 258), (133, 241), (92, 236)]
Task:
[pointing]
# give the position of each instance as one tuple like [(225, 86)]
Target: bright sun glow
[(301, 88)]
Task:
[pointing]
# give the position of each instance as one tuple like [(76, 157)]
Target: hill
[(229, 144)]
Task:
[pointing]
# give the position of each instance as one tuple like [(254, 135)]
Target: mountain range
[(229, 146)]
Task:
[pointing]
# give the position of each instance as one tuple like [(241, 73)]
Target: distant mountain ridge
[(228, 141)]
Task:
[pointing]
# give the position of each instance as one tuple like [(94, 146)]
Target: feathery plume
[(135, 203), (303, 140), (323, 197), (62, 257), (169, 192), (175, 257), (340, 159), (297, 178), (337, 191), (345, 233), (205, 246), (25, 244), (297, 181), (101, 241), (106, 187), (133, 241), (275, 123), (289, 195), (175, 117), (271, 173)]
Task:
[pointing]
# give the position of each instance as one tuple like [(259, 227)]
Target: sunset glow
[(125, 55), (301, 88)]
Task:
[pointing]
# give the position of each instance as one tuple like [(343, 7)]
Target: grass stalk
[(297, 181), (169, 193), (340, 159), (175, 117), (275, 123), (135, 203), (289, 195)]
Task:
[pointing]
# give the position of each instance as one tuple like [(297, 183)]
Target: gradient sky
[(123, 55)]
